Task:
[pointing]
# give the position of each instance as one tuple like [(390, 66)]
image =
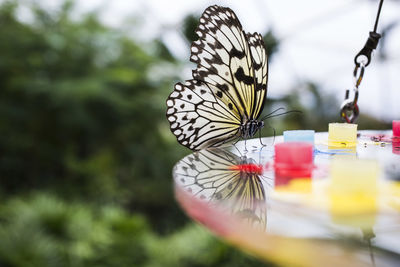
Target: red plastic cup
[(293, 159), (396, 128)]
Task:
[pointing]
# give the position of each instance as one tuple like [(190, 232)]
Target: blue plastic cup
[(299, 136)]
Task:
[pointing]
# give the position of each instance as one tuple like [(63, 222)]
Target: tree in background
[(81, 115)]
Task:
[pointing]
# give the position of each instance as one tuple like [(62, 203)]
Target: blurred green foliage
[(86, 151), (189, 26), (41, 230), (81, 115)]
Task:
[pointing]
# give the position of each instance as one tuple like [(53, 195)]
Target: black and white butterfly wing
[(210, 175), (198, 118), (260, 66), (228, 87), (234, 62)]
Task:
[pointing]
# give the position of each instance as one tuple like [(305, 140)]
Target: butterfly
[(226, 180), (226, 96)]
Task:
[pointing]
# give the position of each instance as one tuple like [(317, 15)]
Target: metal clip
[(349, 110), (369, 46), (358, 74)]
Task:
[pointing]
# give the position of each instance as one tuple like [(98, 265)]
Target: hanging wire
[(377, 15), (349, 110)]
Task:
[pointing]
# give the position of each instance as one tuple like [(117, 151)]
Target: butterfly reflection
[(227, 181)]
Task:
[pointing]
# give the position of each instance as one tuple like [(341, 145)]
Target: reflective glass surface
[(343, 210)]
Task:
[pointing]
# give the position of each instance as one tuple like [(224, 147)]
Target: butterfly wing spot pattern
[(197, 117), (226, 96)]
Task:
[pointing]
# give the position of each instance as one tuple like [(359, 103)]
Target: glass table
[(237, 192)]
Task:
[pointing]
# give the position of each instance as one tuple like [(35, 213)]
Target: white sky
[(319, 40)]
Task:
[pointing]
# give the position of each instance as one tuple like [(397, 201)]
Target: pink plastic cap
[(396, 128), (294, 159)]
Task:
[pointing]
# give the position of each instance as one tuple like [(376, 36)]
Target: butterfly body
[(226, 96), (249, 128)]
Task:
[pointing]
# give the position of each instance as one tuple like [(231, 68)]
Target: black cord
[(377, 15)]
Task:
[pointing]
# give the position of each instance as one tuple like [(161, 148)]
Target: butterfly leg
[(234, 145), (237, 140), (273, 141), (245, 145), (260, 153), (268, 180), (259, 137)]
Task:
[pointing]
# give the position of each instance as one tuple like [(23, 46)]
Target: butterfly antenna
[(280, 114), (269, 114)]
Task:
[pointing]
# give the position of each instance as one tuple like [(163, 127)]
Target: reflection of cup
[(396, 137), (290, 184), (354, 186), (342, 135), (396, 128), (293, 160), (281, 179), (353, 192), (396, 145)]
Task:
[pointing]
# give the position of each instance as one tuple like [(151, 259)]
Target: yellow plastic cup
[(342, 135)]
